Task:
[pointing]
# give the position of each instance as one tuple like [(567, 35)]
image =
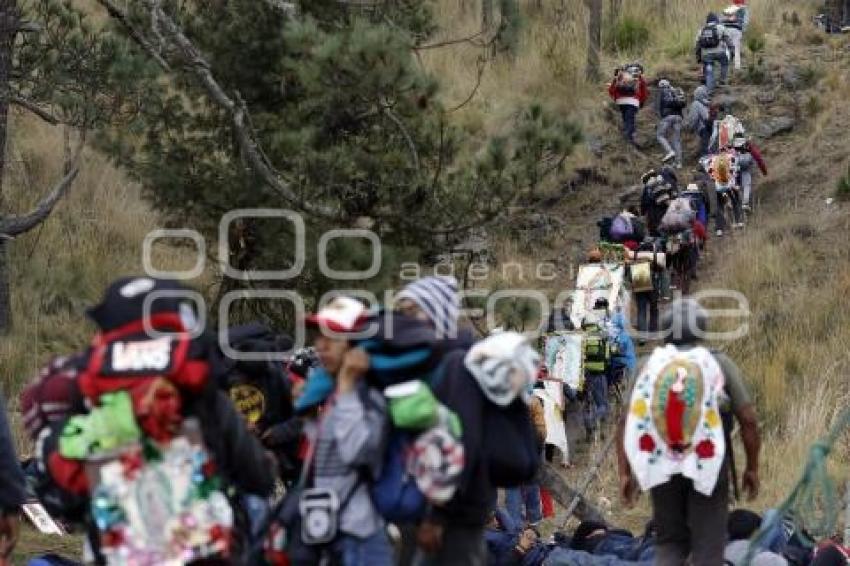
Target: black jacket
[(13, 485)]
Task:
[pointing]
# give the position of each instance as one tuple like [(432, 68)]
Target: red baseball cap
[(341, 314)]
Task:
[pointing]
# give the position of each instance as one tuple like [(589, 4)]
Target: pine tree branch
[(12, 226), (239, 117), (121, 17), (414, 154), (35, 109)]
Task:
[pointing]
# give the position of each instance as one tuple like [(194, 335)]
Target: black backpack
[(709, 37), (661, 192), (673, 98), (604, 225)]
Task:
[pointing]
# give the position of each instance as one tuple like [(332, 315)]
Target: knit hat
[(437, 296), (663, 83), (742, 523)]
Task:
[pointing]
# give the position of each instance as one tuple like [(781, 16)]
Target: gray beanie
[(684, 322)]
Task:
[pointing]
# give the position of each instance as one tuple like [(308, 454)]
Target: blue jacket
[(627, 356)]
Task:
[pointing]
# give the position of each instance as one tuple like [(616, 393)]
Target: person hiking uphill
[(749, 156), (670, 104), (735, 19), (712, 48), (629, 91), (675, 440), (699, 120)]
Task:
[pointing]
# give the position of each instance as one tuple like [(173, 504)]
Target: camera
[(319, 509)]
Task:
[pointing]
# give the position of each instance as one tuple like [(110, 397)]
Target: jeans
[(704, 139), (629, 113), (737, 211), (528, 496), (370, 551), (689, 523), (736, 35), (671, 125), (709, 62), (596, 402), (647, 311), (746, 164)]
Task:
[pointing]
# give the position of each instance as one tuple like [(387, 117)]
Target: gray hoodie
[(351, 441), (699, 112)]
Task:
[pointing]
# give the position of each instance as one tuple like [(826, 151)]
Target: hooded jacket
[(725, 40), (699, 114)]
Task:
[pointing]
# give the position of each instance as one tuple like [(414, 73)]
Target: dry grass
[(793, 272)]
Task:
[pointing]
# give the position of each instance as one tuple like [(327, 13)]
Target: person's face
[(410, 309), (527, 539), (331, 352)]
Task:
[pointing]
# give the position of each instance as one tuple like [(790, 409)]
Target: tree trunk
[(662, 8), (594, 39), (8, 29)]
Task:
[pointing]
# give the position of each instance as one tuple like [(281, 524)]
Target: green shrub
[(757, 73), (842, 189), (810, 75), (814, 106), (628, 34), (754, 39)]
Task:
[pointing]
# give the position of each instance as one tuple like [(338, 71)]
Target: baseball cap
[(341, 314)]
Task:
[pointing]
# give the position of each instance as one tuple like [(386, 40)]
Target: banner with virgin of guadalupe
[(598, 281)]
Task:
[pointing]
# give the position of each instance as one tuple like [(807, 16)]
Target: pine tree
[(340, 124), (55, 64)]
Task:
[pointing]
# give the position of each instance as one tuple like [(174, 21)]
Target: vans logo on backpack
[(140, 355)]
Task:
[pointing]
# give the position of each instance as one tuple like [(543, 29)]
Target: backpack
[(627, 84), (727, 129), (733, 17), (510, 444), (678, 217), (622, 228), (660, 191), (709, 37), (674, 423), (673, 98), (597, 351)]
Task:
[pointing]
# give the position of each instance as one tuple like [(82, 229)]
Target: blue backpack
[(395, 494)]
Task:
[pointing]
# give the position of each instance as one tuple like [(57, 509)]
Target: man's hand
[(628, 489), (430, 537), (355, 364), (9, 527), (751, 484)]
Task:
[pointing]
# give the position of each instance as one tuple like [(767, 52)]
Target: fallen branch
[(549, 478)]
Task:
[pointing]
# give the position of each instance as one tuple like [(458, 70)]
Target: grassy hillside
[(791, 264)]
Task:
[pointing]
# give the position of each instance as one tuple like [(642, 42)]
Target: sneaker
[(669, 157), (720, 233)]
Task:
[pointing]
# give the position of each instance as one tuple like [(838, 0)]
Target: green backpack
[(597, 350)]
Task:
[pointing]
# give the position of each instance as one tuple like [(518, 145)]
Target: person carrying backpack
[(736, 19), (489, 388), (659, 190), (347, 441), (749, 156), (712, 48), (597, 367), (149, 381), (699, 120), (670, 105), (675, 439), (629, 92)]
